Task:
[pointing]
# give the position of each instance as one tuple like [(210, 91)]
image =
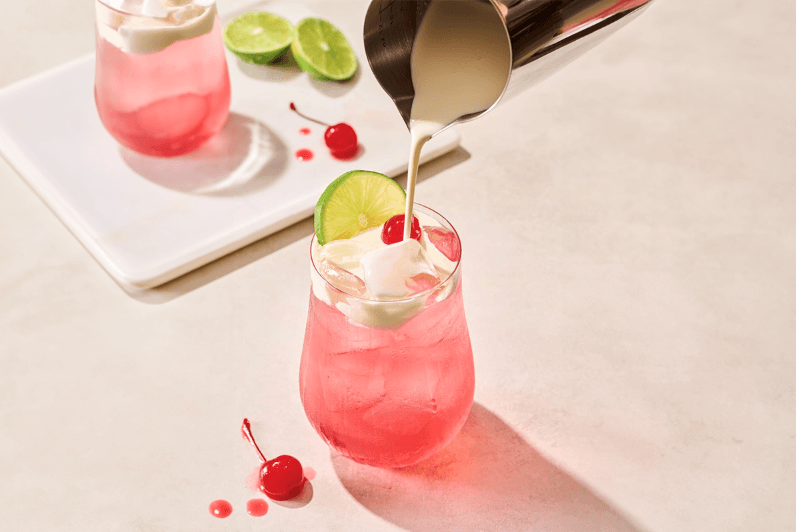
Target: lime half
[(258, 37), (354, 202), (322, 51)]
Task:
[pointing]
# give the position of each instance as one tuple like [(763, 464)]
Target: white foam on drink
[(366, 309), (155, 24), (389, 269)]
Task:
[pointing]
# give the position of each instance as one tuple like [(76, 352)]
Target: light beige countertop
[(629, 231)]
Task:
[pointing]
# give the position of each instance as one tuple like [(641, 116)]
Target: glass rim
[(418, 295), (105, 4)]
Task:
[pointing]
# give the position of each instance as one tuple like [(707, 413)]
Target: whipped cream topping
[(152, 25), (389, 301), (388, 269)]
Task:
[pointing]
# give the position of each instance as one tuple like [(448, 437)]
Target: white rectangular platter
[(148, 220)]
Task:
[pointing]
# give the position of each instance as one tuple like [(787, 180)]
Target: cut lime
[(258, 37), (355, 201), (322, 51)]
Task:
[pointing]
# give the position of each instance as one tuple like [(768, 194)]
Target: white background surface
[(629, 254)]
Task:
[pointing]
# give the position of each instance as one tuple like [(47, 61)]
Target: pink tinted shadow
[(253, 480), (309, 473)]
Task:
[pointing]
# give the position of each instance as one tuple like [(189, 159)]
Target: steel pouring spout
[(544, 36)]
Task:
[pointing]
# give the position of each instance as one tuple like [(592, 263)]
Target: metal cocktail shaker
[(544, 34)]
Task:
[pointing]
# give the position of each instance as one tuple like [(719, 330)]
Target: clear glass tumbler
[(161, 83), (388, 383)]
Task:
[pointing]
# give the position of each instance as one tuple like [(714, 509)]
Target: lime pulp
[(258, 37), (321, 50)]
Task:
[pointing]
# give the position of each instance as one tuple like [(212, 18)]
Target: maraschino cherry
[(281, 478), (393, 231), (341, 139)]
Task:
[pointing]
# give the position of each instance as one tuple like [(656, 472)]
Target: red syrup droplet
[(305, 131), (220, 509), (257, 507), (281, 478), (341, 139), (304, 155)]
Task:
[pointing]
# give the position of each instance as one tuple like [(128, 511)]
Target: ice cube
[(406, 407), (353, 379), (422, 282), (344, 253), (381, 314), (342, 279), (390, 271), (347, 252), (445, 241)]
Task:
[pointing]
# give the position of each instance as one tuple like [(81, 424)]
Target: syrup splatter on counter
[(341, 139), (281, 479), (257, 507), (304, 155), (220, 509)]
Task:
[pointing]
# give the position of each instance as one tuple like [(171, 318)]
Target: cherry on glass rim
[(393, 230), (281, 478)]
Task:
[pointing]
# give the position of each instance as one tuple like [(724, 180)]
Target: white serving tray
[(148, 220)]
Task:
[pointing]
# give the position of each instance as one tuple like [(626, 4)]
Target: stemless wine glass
[(161, 83), (389, 383)]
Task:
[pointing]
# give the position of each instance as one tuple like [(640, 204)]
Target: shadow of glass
[(284, 68), (488, 478), (336, 89), (243, 157), (265, 246)]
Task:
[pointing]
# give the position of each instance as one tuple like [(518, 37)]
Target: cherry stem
[(302, 115), (247, 433)]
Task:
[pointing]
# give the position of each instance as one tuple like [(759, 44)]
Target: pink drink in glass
[(388, 397), (166, 102)]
